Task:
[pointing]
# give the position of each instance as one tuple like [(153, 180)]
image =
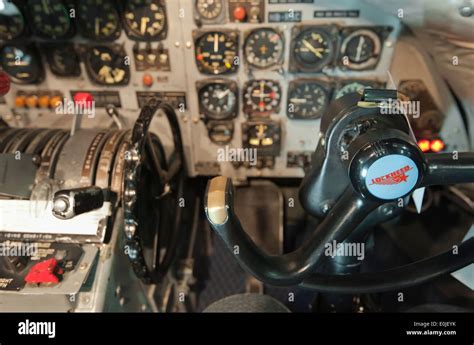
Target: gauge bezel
[(136, 37), (219, 19), (31, 50), (274, 149), (231, 34), (213, 124), (247, 109), (323, 84), (279, 62), (92, 74), (371, 63), (331, 32), (375, 84), (116, 34), (49, 48), (24, 13), (69, 34), (231, 85)]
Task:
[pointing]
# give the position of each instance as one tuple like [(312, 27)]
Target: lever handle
[(69, 203), (447, 168), (290, 268)]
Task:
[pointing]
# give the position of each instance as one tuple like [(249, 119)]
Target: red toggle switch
[(4, 83), (44, 272), (240, 13), (84, 98)]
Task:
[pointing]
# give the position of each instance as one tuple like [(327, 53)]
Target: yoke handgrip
[(291, 268)]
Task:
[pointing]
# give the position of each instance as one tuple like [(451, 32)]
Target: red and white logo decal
[(394, 177)]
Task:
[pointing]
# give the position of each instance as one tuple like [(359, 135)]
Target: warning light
[(424, 145), (437, 145)]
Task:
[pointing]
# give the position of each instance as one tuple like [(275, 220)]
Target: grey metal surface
[(60, 297)]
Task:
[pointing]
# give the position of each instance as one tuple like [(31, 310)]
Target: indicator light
[(424, 145), (4, 83), (147, 80), (437, 145), (240, 13), (20, 101)]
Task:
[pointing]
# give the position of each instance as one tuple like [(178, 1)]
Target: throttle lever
[(69, 203)]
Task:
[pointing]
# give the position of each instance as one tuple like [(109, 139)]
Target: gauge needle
[(359, 47), (216, 43), (97, 26), (298, 100), (316, 51), (45, 6), (222, 94), (143, 23)]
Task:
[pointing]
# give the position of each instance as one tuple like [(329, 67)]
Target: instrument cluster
[(242, 73)]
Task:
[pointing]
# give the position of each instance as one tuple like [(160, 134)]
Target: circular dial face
[(99, 19), (12, 22), (209, 9), (351, 87), (107, 67), (216, 52), (307, 100), (50, 18), (313, 49), (21, 64), (218, 100), (64, 61), (262, 97), (360, 48), (145, 18), (263, 48)]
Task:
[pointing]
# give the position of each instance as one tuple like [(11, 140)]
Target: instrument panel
[(242, 74)]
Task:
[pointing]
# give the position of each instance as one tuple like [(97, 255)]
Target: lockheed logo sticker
[(391, 177)]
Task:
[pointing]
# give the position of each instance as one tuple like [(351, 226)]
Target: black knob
[(72, 202), (387, 169)]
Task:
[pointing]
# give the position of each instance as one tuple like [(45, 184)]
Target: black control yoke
[(366, 157)]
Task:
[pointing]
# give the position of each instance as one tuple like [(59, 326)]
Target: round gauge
[(12, 23), (265, 136), (145, 19), (99, 19), (261, 97), (216, 52), (63, 60), (105, 66), (360, 50), (218, 101), (354, 86), (209, 9), (22, 64), (263, 48), (307, 100), (220, 132), (313, 49), (50, 18)]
